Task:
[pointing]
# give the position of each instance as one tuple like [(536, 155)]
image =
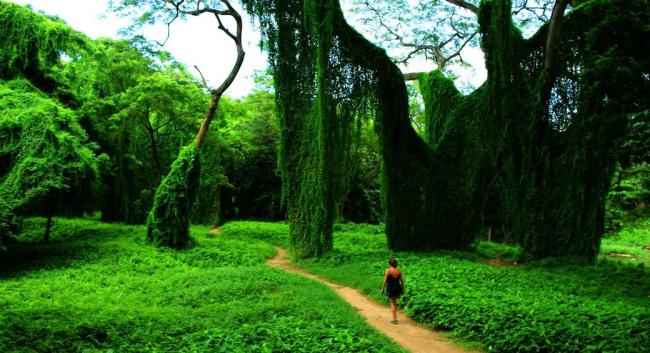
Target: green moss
[(168, 222), (498, 158)]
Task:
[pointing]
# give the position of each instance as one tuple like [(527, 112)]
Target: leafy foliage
[(48, 164), (250, 138), (140, 108), (562, 305), (32, 45), (636, 147), (629, 197), (98, 287)]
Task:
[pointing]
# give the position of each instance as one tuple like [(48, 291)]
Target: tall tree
[(539, 167), (168, 221), (321, 89)]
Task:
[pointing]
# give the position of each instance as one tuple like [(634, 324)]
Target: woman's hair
[(392, 262)]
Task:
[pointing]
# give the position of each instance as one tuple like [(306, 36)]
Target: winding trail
[(407, 333)]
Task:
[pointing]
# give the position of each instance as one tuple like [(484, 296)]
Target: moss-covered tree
[(46, 159), (530, 150), (548, 118), (327, 77), (50, 166), (32, 44), (168, 221)]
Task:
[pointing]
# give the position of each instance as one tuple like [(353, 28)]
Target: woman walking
[(393, 286)]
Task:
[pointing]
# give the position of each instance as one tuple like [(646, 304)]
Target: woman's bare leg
[(393, 307)]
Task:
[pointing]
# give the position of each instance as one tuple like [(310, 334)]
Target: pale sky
[(197, 41)]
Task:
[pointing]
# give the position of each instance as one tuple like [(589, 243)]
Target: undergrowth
[(633, 238), (99, 287), (555, 305)]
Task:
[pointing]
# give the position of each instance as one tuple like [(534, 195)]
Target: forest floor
[(98, 287), (407, 333), (101, 287), (488, 297)]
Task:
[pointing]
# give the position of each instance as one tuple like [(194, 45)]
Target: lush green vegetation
[(530, 153), (549, 158), (98, 286), (550, 305)]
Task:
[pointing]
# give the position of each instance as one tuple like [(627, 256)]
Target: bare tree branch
[(237, 39), (552, 52), (205, 83), (434, 49), (412, 76), (465, 5), (224, 29), (169, 24), (457, 53)]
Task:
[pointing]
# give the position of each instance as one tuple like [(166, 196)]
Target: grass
[(556, 305), (632, 239), (99, 288)]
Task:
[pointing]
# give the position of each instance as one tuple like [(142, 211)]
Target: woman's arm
[(383, 286), (401, 278)]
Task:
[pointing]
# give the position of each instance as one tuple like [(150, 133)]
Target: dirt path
[(407, 333)]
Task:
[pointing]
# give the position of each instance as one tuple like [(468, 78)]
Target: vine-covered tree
[(46, 158), (168, 221), (32, 45), (530, 151), (50, 167)]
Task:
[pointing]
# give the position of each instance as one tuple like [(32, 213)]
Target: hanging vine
[(504, 156)]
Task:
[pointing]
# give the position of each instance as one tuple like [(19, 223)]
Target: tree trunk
[(48, 227), (551, 54), (171, 228), (205, 125), (154, 152)]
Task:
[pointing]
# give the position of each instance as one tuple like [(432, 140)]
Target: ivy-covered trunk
[(543, 165), (328, 77), (304, 139), (168, 221)]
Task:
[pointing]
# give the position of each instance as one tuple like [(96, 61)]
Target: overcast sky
[(196, 41), (199, 42)]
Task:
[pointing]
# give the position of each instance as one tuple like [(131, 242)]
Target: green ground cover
[(99, 288), (632, 239), (554, 305)]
